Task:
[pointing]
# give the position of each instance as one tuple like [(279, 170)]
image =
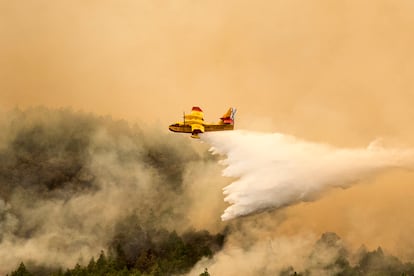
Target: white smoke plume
[(272, 170)]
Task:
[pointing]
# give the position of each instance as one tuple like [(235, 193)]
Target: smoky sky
[(288, 62), (326, 71)]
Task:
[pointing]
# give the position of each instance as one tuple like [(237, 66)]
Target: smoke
[(73, 184), (70, 181), (303, 255), (273, 170), (279, 256)]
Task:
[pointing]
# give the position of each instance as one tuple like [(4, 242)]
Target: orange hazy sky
[(327, 63)]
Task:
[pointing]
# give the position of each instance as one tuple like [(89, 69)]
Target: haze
[(338, 72)]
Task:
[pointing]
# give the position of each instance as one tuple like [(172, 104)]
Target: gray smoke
[(69, 179)]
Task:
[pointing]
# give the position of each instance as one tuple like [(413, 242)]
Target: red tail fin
[(228, 117)]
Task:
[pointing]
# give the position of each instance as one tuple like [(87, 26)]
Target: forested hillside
[(87, 195)]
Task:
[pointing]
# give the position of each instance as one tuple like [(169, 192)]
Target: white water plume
[(272, 170)]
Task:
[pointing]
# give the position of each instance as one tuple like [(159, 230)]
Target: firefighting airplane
[(194, 122)]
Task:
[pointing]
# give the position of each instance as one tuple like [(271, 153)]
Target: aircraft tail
[(228, 117)]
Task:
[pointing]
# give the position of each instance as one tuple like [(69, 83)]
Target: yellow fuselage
[(194, 124)]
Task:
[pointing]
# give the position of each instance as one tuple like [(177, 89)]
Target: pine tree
[(205, 273), (21, 271)]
